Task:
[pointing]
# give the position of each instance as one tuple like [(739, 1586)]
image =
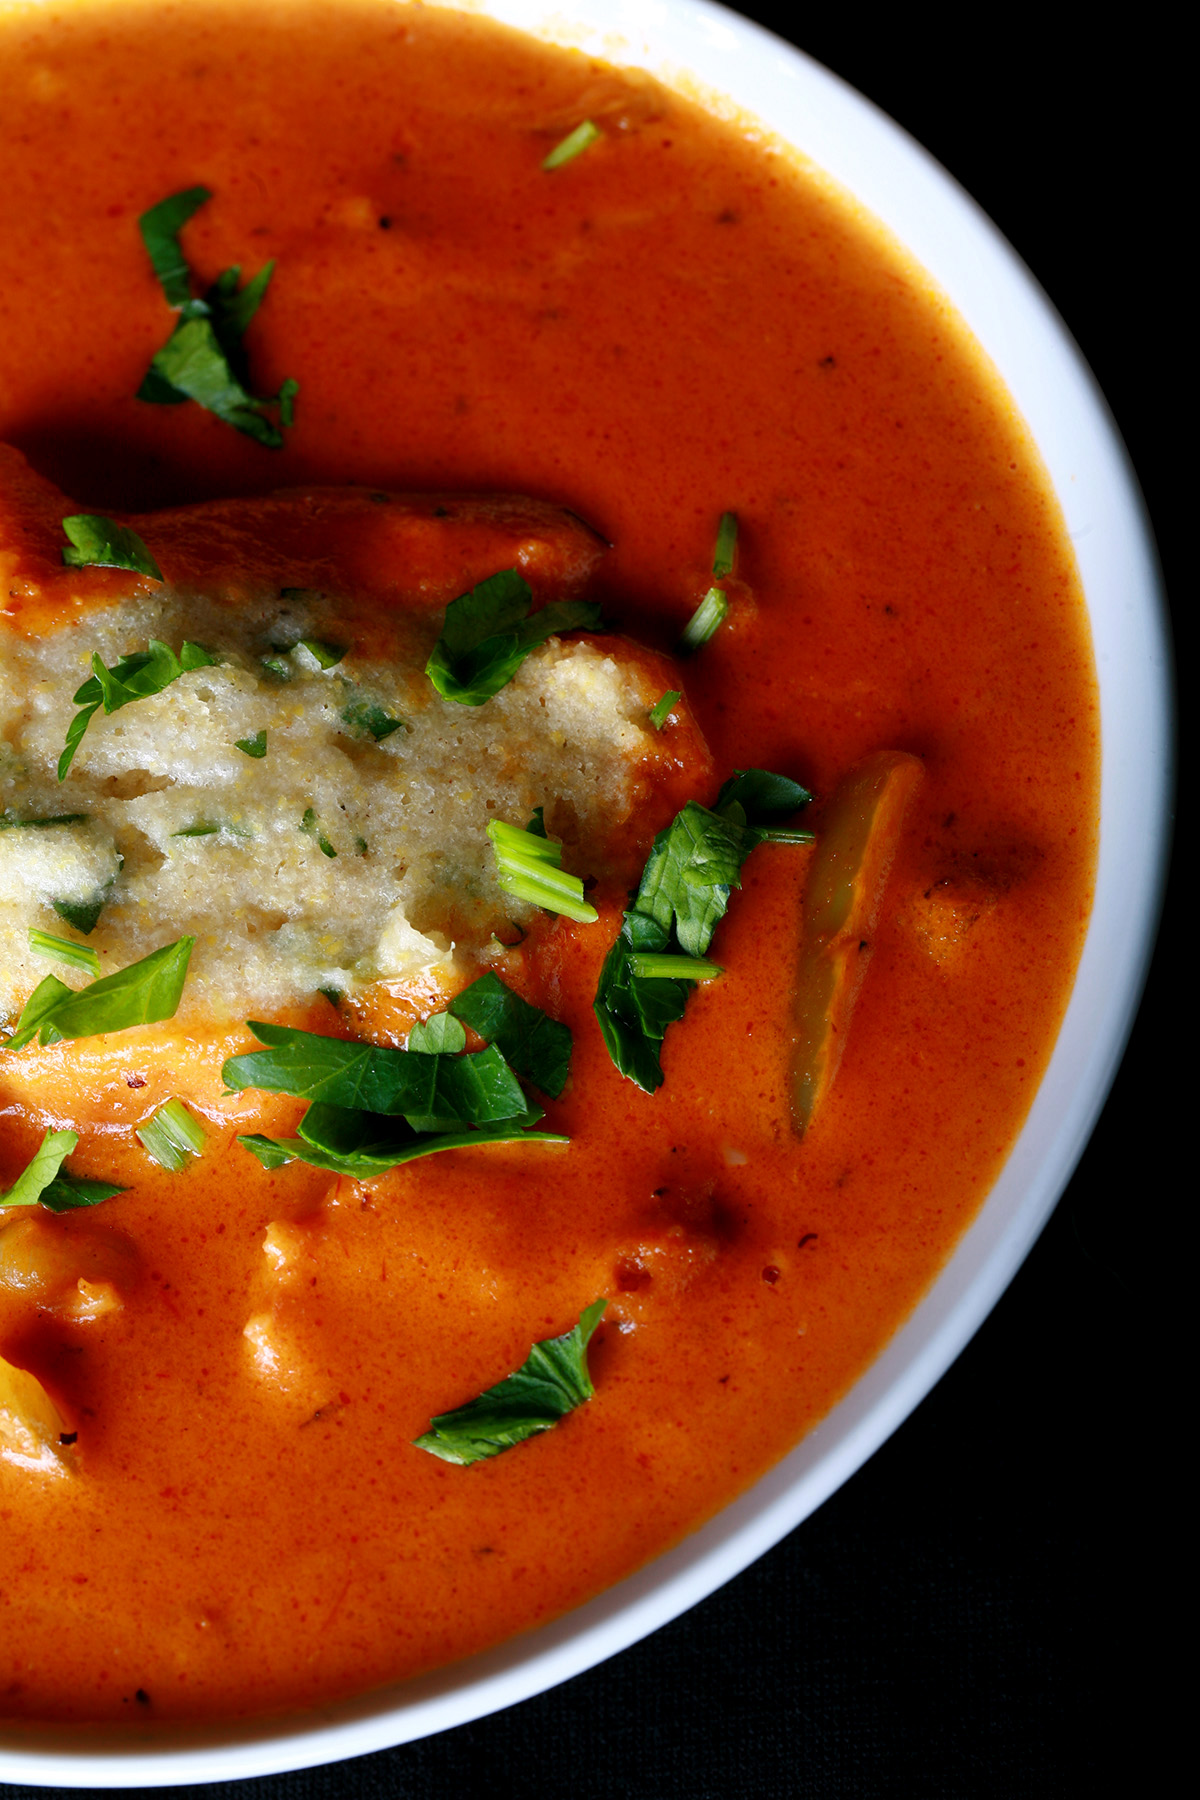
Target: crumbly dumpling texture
[(354, 850)]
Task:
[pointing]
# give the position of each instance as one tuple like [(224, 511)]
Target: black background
[(954, 1621)]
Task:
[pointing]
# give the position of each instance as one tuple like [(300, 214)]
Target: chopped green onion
[(202, 828), (528, 868), (172, 1135), (705, 620), (726, 545), (78, 956), (660, 712), (255, 746), (572, 145), (674, 968)]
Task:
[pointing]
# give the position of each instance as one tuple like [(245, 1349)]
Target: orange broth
[(683, 320)]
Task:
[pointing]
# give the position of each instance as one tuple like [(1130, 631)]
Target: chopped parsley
[(138, 675), (100, 543), (365, 717), (255, 746), (684, 891), (312, 829), (204, 359), (536, 1045), (44, 1181), (551, 1382), (373, 1108), (142, 993), (572, 145), (488, 633), (528, 867)]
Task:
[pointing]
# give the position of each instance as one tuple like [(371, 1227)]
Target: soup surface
[(679, 322)]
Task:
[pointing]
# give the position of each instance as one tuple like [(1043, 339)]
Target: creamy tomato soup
[(677, 323)]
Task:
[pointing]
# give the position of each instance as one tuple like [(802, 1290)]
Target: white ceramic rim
[(993, 291)]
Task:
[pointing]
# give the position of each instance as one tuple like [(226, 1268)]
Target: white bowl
[(1010, 316)]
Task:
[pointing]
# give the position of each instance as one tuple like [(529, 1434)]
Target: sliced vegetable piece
[(138, 675), (551, 1382), (856, 846), (34, 1434)]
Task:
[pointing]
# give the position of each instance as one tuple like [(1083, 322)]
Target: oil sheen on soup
[(677, 323)]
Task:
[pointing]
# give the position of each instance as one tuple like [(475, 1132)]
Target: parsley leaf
[(138, 675), (142, 993), (203, 359), (255, 746), (44, 1180), (97, 542), (440, 1036), (366, 718), (471, 1090), (682, 897), (551, 1382), (488, 633), (365, 1145), (536, 1045)]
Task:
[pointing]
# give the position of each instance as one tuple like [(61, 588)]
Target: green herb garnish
[(76, 956), (704, 621), (442, 1035), (726, 546), (100, 543), (488, 633), (660, 712), (374, 1108), (44, 1181), (312, 829), (172, 1136), (10, 822), (572, 144), (255, 746), (138, 675), (326, 656), (366, 718), (467, 1090), (204, 359), (140, 994), (536, 1045), (684, 891), (527, 866), (552, 1382), (83, 914), (367, 1145)]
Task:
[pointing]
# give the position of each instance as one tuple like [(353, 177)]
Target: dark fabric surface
[(947, 1626)]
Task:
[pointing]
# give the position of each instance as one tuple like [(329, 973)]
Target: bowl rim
[(968, 261)]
